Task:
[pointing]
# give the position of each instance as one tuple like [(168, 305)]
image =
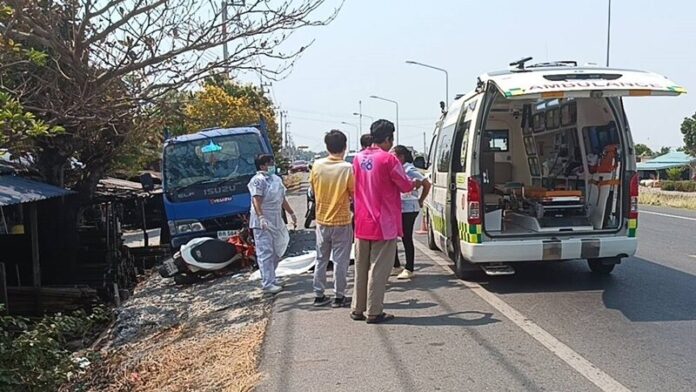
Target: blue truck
[(205, 177)]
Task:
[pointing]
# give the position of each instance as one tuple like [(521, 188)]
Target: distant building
[(656, 169)]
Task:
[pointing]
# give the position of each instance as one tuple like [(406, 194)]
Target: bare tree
[(94, 66)]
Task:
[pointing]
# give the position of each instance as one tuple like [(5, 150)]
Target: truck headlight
[(187, 226)]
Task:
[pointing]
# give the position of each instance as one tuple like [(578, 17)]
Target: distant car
[(299, 167)]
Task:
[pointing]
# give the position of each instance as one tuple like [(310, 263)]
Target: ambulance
[(538, 164)]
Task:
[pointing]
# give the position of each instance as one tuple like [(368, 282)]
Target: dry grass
[(668, 199), (182, 359)]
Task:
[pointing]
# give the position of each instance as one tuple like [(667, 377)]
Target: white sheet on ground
[(296, 265)]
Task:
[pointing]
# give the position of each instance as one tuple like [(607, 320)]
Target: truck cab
[(537, 163), (205, 177)]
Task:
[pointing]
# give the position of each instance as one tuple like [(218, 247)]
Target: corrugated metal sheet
[(667, 161), (647, 166), (18, 190)]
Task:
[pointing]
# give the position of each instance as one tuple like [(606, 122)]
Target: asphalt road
[(550, 326)]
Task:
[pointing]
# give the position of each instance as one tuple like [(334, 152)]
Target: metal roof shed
[(667, 161), (18, 190)]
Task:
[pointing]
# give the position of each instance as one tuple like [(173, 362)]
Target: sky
[(363, 53)]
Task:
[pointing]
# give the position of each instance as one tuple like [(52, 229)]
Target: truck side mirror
[(147, 182), (419, 162)]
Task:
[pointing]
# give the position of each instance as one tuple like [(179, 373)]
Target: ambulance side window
[(444, 153), (465, 146)]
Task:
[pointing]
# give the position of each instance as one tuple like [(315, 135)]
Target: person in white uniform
[(266, 220)]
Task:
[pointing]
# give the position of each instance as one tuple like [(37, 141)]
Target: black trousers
[(408, 220)]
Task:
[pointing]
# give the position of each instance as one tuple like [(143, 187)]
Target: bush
[(679, 186), (675, 173), (36, 356)]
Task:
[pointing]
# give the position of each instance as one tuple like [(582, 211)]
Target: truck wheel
[(431, 235), (464, 269), (602, 266)]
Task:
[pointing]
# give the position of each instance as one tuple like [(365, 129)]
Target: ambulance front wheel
[(602, 266), (431, 235)]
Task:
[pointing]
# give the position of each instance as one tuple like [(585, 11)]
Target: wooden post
[(144, 222), (36, 267), (3, 288), (34, 230)]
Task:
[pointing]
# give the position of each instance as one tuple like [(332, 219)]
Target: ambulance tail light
[(473, 199), (633, 193)]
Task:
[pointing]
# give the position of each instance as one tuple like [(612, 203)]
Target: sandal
[(379, 319), (357, 316)]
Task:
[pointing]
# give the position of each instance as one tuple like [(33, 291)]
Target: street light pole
[(438, 69), (361, 116), (397, 112), (608, 31), (357, 133), (364, 115)]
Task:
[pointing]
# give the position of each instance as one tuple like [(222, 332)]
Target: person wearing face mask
[(379, 181), (271, 236)]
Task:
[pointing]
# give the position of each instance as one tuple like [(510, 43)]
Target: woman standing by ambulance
[(411, 204)]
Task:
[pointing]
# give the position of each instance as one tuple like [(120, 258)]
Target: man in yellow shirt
[(332, 183)]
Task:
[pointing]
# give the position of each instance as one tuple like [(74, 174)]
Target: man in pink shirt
[(379, 181)]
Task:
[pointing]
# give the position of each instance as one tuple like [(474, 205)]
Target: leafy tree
[(18, 127), (256, 100), (100, 69), (688, 129), (663, 150), (643, 150), (213, 107)]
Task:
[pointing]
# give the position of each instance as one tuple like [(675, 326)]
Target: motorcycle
[(200, 259), (310, 215)]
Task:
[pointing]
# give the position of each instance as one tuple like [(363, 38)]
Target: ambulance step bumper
[(498, 269)]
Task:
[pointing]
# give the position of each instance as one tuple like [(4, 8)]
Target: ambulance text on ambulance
[(594, 84)]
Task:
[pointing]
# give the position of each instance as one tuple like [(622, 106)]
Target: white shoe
[(396, 271), (273, 289), (279, 282), (405, 274)]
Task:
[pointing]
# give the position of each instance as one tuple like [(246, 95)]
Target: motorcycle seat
[(214, 252)]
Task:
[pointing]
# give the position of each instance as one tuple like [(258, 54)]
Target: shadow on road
[(641, 290), (458, 319)]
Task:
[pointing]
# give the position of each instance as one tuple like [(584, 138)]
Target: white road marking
[(667, 215), (581, 365)]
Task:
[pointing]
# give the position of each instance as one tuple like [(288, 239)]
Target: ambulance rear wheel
[(463, 268), (601, 266), (431, 235)]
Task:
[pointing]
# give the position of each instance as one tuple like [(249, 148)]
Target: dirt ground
[(204, 337)]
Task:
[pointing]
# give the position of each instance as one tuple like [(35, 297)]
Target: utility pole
[(287, 140), (225, 51), (357, 142), (425, 145), (608, 31)]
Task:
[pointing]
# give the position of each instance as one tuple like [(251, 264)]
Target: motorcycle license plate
[(225, 234), (171, 267)]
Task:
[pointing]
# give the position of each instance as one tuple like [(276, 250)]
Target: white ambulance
[(538, 164)]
